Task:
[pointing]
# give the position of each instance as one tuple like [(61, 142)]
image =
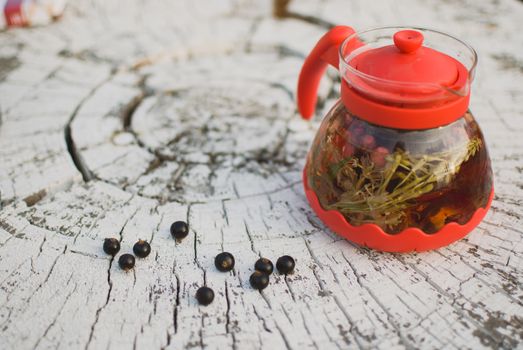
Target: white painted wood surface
[(184, 110)]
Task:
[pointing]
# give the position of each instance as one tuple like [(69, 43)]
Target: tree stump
[(122, 118)]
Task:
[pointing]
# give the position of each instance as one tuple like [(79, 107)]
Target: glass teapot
[(399, 163)]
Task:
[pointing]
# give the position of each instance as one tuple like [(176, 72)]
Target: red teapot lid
[(408, 61), (402, 85), (406, 73)]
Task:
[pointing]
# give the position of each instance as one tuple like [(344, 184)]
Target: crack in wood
[(76, 157), (177, 304), (493, 337), (228, 317), (280, 10), (53, 322), (407, 343), (109, 283), (7, 65)]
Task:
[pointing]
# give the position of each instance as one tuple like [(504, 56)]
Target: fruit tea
[(399, 178)]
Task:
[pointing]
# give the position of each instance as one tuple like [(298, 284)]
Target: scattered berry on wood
[(204, 295), (179, 229), (264, 265), (142, 249), (259, 280), (126, 261), (111, 246), (285, 264), (224, 262)]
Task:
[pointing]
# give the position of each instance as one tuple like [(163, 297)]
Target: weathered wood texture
[(127, 115)]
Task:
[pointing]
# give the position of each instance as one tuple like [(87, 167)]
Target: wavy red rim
[(408, 240)]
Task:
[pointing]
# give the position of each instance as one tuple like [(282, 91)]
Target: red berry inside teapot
[(398, 163)]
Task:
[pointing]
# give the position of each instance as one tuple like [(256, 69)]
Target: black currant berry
[(204, 295), (111, 246), (285, 264), (141, 249), (259, 280), (179, 229), (224, 262), (126, 261), (264, 265)]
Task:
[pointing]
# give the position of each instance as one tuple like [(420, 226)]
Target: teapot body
[(395, 189), (399, 163)]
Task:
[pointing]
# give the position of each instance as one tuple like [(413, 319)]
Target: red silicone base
[(410, 239)]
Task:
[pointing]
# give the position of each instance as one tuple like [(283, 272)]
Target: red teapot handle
[(325, 52)]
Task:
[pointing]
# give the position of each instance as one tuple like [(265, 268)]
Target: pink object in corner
[(25, 13)]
